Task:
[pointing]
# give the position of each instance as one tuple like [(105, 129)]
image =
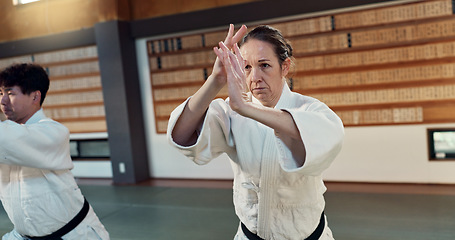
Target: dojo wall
[(390, 153), (371, 153), (50, 26)]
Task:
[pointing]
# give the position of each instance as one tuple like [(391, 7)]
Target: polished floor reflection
[(203, 210)]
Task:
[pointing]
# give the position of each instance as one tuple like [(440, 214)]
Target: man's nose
[(4, 99)]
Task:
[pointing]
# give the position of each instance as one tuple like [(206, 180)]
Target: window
[(90, 149), (441, 143)]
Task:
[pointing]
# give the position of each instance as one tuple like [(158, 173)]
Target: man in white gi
[(37, 188)]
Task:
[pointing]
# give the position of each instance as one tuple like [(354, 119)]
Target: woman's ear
[(285, 67)]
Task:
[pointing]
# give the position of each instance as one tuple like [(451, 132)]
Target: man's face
[(16, 106)]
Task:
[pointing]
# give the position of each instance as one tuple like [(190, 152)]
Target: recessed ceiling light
[(20, 2)]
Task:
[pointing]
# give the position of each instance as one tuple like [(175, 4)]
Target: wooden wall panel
[(53, 17), (75, 95), (378, 66)]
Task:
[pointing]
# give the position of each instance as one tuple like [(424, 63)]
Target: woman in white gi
[(37, 188), (279, 141)]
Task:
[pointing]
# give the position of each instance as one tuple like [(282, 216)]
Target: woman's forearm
[(184, 132), (281, 121), (283, 124)]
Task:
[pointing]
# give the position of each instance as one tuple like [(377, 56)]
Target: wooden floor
[(360, 187)]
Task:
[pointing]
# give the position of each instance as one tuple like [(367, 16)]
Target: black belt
[(57, 235), (314, 236)]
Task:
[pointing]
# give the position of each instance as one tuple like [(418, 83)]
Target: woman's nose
[(255, 75)]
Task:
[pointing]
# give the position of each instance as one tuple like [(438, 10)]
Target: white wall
[(92, 169), (389, 154), (369, 154)]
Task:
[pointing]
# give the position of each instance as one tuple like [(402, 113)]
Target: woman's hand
[(191, 119), (219, 73), (234, 66)]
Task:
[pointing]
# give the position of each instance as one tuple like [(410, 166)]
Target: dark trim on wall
[(237, 14), (79, 38), (122, 101)]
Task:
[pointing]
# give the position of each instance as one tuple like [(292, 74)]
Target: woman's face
[(264, 75)]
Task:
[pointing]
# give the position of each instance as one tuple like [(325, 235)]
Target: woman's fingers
[(241, 66), (235, 64), (230, 34), (232, 38), (229, 42), (235, 73), (239, 34), (218, 52), (239, 59)]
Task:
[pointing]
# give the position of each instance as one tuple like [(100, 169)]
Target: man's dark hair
[(29, 77)]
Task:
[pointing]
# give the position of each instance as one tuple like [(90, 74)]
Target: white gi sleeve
[(322, 133), (43, 145), (214, 138)]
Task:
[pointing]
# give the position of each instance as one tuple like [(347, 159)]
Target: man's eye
[(247, 67), (264, 65)]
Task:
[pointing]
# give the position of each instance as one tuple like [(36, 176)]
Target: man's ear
[(36, 97)]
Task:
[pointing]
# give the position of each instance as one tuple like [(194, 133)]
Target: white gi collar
[(285, 98), (39, 115)]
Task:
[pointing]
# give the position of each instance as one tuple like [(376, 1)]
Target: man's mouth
[(5, 111)]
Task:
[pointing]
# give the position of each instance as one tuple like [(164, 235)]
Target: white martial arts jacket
[(272, 196), (37, 188)]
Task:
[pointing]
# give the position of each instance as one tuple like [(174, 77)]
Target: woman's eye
[(247, 67)]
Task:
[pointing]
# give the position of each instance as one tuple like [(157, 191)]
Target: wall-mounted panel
[(75, 94), (378, 66)]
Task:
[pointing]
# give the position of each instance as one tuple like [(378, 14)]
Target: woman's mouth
[(258, 89)]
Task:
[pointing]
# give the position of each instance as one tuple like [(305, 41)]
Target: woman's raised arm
[(184, 132), (281, 121)]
